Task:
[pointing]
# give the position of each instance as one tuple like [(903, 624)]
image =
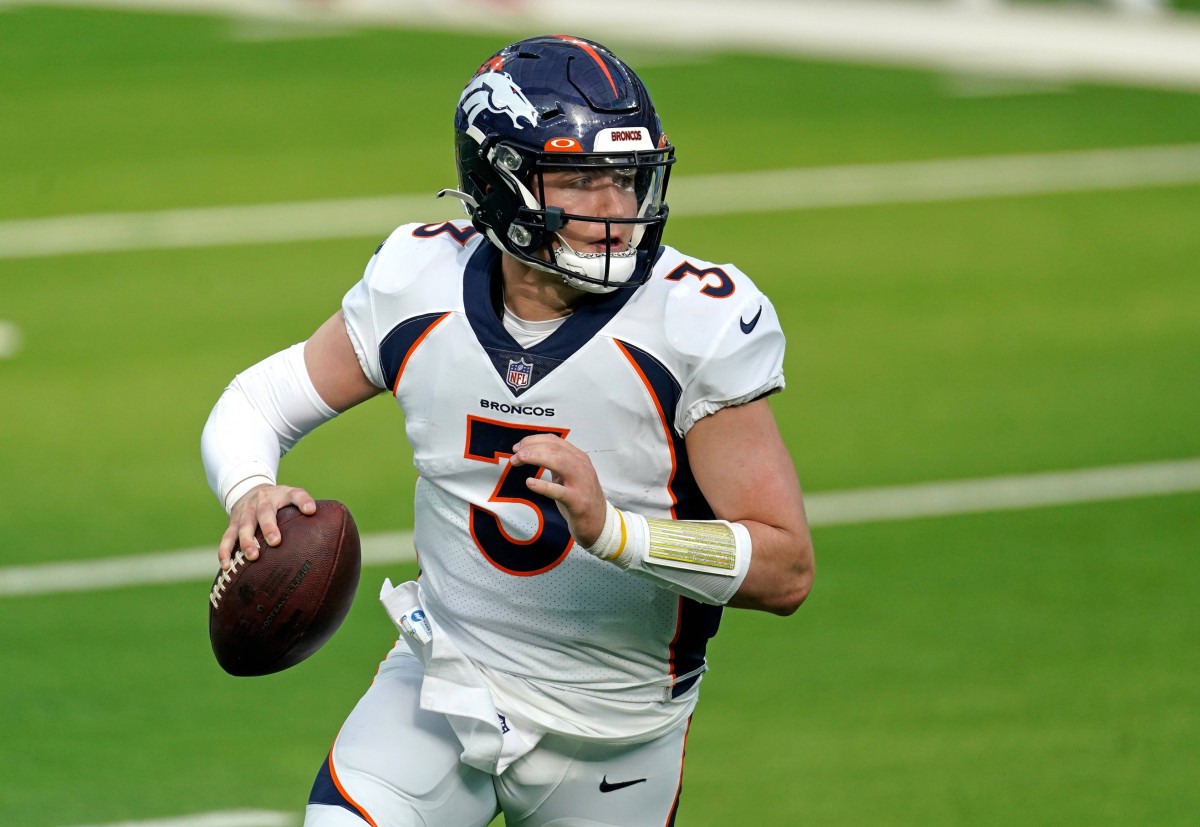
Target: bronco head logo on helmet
[(496, 92)]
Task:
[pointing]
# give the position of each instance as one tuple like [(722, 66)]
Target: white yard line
[(951, 179), (954, 179), (1055, 42), (1006, 493), (10, 340), (832, 508), (227, 818), (218, 226), (189, 564)]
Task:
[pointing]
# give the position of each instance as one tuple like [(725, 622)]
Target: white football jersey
[(623, 378)]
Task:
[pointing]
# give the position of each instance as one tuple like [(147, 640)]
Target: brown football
[(271, 613)]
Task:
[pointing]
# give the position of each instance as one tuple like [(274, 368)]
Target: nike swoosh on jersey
[(606, 787), (748, 326)]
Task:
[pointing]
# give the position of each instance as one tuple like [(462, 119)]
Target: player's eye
[(624, 178)]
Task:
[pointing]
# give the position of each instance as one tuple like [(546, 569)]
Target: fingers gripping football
[(573, 484), (258, 508)]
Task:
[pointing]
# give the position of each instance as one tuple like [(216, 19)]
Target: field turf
[(1033, 667)]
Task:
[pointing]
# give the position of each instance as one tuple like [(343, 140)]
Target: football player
[(600, 472)]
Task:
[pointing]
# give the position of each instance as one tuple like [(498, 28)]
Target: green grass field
[(1030, 667)]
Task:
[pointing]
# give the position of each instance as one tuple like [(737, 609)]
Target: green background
[(1038, 666)]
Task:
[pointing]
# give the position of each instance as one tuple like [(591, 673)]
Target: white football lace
[(218, 589)]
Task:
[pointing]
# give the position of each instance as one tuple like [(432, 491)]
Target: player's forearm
[(744, 564), (263, 413)]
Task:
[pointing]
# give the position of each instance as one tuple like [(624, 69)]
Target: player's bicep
[(743, 466), (334, 368), (744, 469)]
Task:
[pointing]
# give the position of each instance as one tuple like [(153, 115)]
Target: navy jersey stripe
[(590, 315), (698, 622), (400, 341), (689, 500)]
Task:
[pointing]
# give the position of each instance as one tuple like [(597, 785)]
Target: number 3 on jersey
[(491, 441)]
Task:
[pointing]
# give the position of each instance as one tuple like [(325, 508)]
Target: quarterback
[(599, 470)]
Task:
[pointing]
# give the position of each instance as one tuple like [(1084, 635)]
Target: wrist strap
[(613, 537)]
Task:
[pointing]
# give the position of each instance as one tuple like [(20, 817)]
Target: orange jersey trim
[(337, 782)]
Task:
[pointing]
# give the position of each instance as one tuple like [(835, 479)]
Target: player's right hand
[(573, 485), (257, 509)]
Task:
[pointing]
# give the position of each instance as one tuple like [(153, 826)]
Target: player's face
[(602, 193)]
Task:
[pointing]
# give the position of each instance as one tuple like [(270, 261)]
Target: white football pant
[(396, 765)]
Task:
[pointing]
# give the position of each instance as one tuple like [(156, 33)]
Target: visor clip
[(554, 219), (520, 235)]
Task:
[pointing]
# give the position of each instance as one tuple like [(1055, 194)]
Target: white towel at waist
[(454, 687)]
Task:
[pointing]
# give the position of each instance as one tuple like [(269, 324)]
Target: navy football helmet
[(556, 103)]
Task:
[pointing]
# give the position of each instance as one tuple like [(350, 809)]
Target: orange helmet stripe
[(594, 55)]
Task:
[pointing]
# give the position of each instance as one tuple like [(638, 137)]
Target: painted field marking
[(830, 508), (947, 179), (226, 818), (217, 226), (189, 564), (10, 340), (809, 188), (1067, 41), (1004, 493)]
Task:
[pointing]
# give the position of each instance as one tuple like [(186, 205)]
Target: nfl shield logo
[(519, 373)]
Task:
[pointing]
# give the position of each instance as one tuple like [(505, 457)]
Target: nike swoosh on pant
[(606, 787)]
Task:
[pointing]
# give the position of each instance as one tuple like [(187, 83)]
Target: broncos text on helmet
[(551, 104)]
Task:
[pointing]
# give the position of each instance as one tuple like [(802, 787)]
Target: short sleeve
[(744, 363), (358, 309)]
